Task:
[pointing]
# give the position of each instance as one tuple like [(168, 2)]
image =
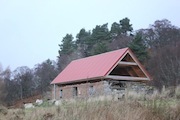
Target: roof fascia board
[(112, 68), (81, 80), (139, 64)]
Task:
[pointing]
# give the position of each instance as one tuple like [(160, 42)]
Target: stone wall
[(100, 88), (84, 90)]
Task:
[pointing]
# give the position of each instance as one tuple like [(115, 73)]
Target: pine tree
[(99, 38), (100, 48), (125, 25), (82, 39), (67, 45), (139, 48)]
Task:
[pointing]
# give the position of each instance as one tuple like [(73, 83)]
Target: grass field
[(154, 108)]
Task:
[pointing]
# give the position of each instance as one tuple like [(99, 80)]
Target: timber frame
[(128, 69)]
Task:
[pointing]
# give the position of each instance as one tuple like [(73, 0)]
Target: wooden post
[(54, 91)]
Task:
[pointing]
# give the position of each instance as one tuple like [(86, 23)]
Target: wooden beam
[(123, 63), (114, 77)]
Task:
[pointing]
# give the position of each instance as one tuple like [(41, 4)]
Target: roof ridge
[(100, 54)]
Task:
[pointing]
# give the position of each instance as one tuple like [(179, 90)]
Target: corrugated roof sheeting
[(91, 67)]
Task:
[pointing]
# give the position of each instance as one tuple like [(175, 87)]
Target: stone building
[(99, 75)]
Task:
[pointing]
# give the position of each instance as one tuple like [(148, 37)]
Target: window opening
[(75, 91)]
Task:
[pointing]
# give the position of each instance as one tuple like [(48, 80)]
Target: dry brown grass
[(102, 110), (136, 107)]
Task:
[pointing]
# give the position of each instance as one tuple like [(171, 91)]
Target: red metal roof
[(90, 68)]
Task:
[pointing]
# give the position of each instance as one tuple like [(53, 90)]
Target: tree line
[(157, 47), (24, 82)]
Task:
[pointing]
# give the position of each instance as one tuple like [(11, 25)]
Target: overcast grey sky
[(30, 30)]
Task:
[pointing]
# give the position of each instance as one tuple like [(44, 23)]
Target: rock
[(39, 102), (28, 105), (57, 103)]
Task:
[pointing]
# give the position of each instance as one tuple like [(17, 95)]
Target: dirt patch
[(20, 103)]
